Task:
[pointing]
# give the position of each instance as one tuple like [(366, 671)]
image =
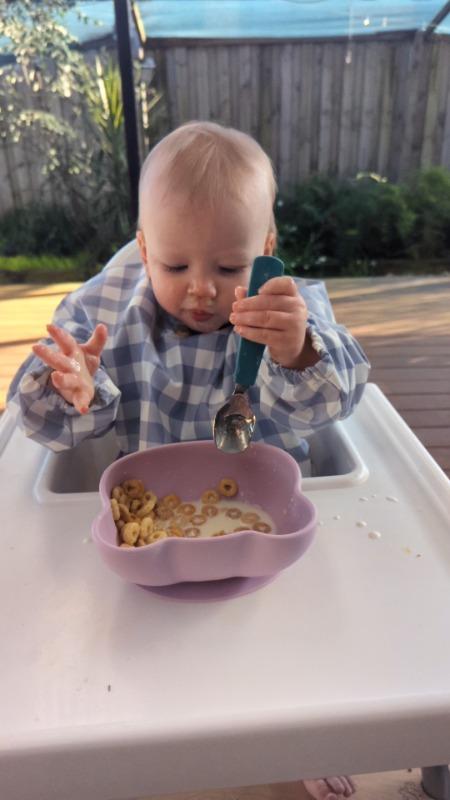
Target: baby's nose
[(202, 287)]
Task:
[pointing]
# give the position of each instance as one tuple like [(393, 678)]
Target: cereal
[(130, 532), (133, 488), (198, 519), (262, 527), (175, 530), (150, 497), (210, 511), (192, 533), (171, 501), (233, 513), (141, 518), (115, 509), (146, 527), (124, 513), (210, 497), (187, 509), (228, 487), (164, 512), (157, 535), (146, 511)]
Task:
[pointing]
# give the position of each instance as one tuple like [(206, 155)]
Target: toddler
[(149, 348)]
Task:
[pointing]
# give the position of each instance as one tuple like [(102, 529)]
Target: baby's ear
[(142, 248), (271, 243)]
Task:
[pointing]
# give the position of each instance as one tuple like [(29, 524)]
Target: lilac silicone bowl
[(266, 476)]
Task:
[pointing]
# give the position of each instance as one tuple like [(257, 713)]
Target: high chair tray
[(342, 663)]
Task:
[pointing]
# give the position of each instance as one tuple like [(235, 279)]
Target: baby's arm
[(44, 398)]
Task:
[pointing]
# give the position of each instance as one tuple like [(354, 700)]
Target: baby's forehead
[(168, 213), (167, 194)]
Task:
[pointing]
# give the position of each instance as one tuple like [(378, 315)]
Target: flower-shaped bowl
[(266, 477)]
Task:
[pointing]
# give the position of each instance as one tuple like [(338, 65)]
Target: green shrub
[(371, 220), (57, 231), (336, 225), (39, 229), (45, 268), (427, 193), (305, 234)]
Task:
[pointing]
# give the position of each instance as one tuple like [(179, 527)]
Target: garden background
[(353, 109)]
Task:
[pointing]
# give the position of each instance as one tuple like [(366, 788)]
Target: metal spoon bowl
[(235, 422)]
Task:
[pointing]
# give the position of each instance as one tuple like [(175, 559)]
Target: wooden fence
[(333, 106), (337, 107)]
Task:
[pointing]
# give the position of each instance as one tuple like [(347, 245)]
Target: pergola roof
[(263, 18)]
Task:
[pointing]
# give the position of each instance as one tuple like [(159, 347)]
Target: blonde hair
[(209, 162)]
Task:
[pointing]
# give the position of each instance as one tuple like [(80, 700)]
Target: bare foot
[(330, 788)]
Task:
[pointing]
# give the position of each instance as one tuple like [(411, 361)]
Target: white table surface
[(341, 663)]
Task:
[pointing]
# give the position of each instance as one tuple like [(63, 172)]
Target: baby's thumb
[(97, 341)]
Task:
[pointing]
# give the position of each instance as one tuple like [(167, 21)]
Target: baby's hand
[(276, 317), (73, 364)]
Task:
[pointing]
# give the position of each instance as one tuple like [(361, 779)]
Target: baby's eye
[(177, 268), (231, 270)]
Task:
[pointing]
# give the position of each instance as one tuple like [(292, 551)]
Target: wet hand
[(73, 364), (276, 317)]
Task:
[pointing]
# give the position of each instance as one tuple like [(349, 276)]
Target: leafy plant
[(336, 225), (427, 193), (96, 186), (371, 219), (39, 229), (81, 144), (32, 269), (40, 54)]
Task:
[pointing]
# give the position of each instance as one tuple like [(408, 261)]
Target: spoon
[(234, 423)]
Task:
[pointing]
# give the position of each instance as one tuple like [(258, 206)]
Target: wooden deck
[(402, 323)]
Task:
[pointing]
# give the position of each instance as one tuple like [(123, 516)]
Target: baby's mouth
[(200, 314)]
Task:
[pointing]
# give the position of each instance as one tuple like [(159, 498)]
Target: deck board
[(403, 324)]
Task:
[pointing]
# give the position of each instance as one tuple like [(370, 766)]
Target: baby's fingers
[(240, 292), (55, 359), (81, 400), (63, 339), (281, 285), (97, 341), (74, 390)]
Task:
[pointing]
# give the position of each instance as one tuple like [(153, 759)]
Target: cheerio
[(141, 518)]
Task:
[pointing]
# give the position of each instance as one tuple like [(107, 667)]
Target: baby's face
[(195, 257)]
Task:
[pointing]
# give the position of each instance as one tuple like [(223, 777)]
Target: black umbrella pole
[(121, 10)]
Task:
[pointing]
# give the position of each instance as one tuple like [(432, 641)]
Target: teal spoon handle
[(250, 353)]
